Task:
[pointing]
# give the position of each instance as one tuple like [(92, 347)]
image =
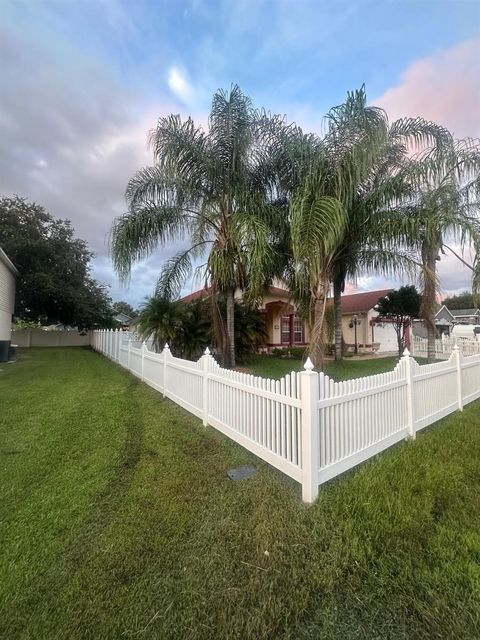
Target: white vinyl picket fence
[(306, 425), (444, 347)]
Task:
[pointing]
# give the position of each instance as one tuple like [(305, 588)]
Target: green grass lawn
[(117, 521), (275, 367)]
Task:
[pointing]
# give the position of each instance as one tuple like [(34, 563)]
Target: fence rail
[(306, 425), (444, 347)]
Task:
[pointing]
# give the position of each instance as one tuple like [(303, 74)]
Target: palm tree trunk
[(428, 301), (337, 304), (317, 338), (231, 328)]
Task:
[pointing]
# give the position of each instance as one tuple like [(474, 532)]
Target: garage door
[(386, 336)]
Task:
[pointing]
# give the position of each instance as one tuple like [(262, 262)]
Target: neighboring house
[(446, 319), (285, 328), (123, 320), (8, 275), (466, 316)]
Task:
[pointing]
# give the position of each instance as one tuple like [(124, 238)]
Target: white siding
[(7, 300)]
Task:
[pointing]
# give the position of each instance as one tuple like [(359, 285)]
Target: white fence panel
[(261, 414), (435, 391), (305, 424), (153, 369), (444, 347), (135, 360), (184, 383), (359, 418), (470, 379)]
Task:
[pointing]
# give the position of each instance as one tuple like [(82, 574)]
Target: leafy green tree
[(55, 284), (121, 306), (400, 307), (465, 300), (212, 190)]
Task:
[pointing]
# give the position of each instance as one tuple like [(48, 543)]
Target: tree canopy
[(212, 190), (55, 284), (400, 307), (120, 306), (464, 300)]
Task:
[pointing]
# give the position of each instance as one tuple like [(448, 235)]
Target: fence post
[(128, 353), (410, 401), (166, 352), (458, 363), (310, 432), (206, 367)]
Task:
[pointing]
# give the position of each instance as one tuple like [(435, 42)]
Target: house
[(446, 319), (8, 275), (285, 328), (123, 320), (466, 316), (444, 323)]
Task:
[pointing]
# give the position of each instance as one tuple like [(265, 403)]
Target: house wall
[(273, 323), (7, 301), (363, 329)]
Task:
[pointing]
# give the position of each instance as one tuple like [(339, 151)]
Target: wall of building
[(7, 301)]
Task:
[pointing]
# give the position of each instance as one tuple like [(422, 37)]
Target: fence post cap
[(456, 347), (166, 346), (206, 352), (308, 366), (406, 353)]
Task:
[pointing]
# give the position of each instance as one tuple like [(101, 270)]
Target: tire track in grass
[(56, 577)]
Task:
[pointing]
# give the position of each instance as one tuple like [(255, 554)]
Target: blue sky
[(83, 81)]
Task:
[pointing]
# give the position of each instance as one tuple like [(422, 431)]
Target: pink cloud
[(444, 88)]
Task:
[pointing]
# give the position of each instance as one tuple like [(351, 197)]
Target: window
[(285, 329), (298, 330)]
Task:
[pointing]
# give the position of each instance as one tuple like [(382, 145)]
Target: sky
[(83, 81)]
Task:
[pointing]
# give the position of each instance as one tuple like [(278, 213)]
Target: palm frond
[(136, 234)]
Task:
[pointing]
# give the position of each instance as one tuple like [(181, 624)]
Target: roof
[(354, 303), (464, 312), (205, 292), (442, 309), (196, 295), (122, 317), (6, 261), (360, 302)]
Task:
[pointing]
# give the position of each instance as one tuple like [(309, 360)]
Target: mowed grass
[(276, 367), (117, 520)]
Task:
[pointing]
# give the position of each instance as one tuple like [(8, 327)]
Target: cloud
[(70, 138), (443, 87), (180, 86)]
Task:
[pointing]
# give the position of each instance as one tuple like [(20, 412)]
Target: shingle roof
[(354, 303), (361, 302), (464, 312), (196, 295)]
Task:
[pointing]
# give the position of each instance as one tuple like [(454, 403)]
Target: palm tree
[(161, 320), (444, 204), (369, 153), (212, 189)]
